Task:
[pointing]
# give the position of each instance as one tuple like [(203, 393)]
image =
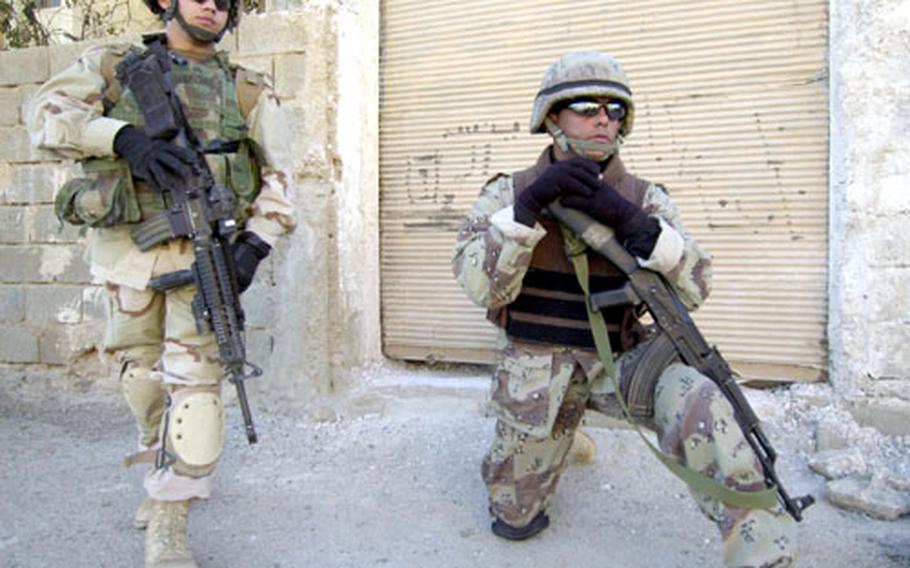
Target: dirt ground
[(396, 486)]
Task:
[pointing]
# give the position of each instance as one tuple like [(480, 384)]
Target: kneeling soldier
[(513, 258)]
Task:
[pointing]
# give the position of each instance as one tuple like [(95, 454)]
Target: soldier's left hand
[(635, 229), (248, 250), (160, 164), (605, 205)]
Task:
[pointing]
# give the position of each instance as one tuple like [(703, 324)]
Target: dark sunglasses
[(222, 5), (616, 109)]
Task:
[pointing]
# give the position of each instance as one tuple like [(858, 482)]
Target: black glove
[(634, 228), (160, 164), (577, 176), (248, 250)]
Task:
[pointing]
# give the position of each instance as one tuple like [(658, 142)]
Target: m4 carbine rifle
[(200, 210), (649, 288)]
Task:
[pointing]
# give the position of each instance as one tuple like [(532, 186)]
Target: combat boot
[(583, 450), (165, 537), (504, 530)]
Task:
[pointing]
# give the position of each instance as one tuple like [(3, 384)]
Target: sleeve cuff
[(667, 252), (266, 229), (504, 220), (98, 136)]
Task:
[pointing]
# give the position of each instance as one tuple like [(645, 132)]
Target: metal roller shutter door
[(731, 102)]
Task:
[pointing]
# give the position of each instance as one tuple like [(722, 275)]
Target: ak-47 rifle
[(649, 288), (200, 210)]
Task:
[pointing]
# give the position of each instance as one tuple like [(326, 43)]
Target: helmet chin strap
[(582, 147), (194, 32)]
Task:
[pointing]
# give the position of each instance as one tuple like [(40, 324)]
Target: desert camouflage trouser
[(161, 357), (693, 422)]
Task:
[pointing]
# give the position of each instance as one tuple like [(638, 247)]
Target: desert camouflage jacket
[(67, 119), (492, 254), (493, 251)]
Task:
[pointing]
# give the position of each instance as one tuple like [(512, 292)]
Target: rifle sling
[(143, 456), (576, 250)]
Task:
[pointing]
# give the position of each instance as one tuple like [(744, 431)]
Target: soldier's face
[(597, 128), (210, 15)]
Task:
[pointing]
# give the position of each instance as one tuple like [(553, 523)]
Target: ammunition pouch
[(104, 198), (640, 370)]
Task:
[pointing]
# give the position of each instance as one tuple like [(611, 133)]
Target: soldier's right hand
[(577, 176), (160, 164)]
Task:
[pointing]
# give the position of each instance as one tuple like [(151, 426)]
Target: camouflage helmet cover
[(233, 13), (582, 73)]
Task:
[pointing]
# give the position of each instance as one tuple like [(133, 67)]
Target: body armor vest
[(551, 305), (208, 94)]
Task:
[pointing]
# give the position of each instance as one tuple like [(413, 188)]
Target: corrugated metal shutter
[(731, 103)]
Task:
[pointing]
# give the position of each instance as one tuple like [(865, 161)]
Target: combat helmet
[(194, 32), (577, 74)]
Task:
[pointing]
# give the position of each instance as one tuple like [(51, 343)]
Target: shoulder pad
[(249, 76), (108, 50), (248, 85), (113, 54), (119, 48)]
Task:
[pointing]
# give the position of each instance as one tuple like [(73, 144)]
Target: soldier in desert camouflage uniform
[(510, 258), (170, 373)]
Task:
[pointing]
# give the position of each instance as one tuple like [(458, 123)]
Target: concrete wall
[(313, 312), (869, 291)]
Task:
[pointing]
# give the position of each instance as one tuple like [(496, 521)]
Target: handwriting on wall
[(463, 156)]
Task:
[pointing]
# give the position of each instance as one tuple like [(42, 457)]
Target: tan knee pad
[(196, 429), (145, 397)]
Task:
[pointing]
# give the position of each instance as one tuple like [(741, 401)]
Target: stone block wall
[(47, 306), (302, 309)]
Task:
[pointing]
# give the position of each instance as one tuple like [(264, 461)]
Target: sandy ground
[(398, 486)]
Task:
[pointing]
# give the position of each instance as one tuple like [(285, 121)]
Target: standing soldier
[(512, 258), (170, 373)]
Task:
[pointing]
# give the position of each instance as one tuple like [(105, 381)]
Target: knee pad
[(145, 397), (674, 391), (196, 429)]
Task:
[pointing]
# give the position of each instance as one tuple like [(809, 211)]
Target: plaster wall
[(869, 301)]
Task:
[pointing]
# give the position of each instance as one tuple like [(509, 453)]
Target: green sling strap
[(576, 250)]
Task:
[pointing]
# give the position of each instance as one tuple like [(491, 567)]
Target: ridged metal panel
[(731, 107)]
